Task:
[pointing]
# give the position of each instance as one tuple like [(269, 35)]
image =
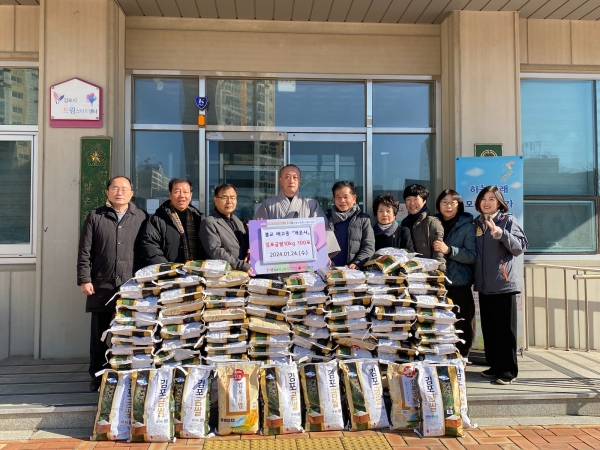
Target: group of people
[(476, 253)]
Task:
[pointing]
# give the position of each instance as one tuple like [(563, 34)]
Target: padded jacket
[(460, 262), (401, 238), (108, 253), (495, 271), (361, 241), (161, 240), (425, 231)]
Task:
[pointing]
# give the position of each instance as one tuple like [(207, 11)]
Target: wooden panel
[(523, 41), (339, 10), (168, 8), (188, 8), (264, 9), (27, 28), (358, 11), (244, 9), (433, 10), (130, 8), (226, 9), (207, 9), (395, 11), (549, 41), (475, 5), (4, 311), (586, 42), (592, 15), (22, 293), (7, 28), (514, 5), (283, 9), (454, 5), (320, 10), (582, 11), (547, 9), (149, 8), (302, 9), (414, 10), (530, 7), (495, 5), (296, 52), (377, 10), (567, 9)]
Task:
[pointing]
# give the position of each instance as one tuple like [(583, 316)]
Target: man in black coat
[(106, 260), (171, 234)]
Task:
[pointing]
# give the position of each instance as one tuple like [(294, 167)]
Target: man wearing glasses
[(107, 258), (171, 234), (223, 235)]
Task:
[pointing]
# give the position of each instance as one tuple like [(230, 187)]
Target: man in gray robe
[(290, 204)]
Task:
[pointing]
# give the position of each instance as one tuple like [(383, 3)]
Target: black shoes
[(95, 384)]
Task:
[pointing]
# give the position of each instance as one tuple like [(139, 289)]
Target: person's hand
[(247, 258), (352, 266), (87, 288), (494, 230), (251, 272), (440, 246), (329, 263)]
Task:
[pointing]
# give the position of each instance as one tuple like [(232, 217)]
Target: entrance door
[(325, 159)]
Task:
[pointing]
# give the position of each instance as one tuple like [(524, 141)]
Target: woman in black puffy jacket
[(387, 231)]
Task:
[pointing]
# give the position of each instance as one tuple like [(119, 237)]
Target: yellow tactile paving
[(227, 445), (320, 444), (283, 444), (365, 443)]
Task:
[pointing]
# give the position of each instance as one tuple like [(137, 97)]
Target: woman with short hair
[(387, 231), (499, 239), (460, 250), (351, 226)]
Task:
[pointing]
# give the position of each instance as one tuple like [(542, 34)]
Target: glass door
[(249, 161), (325, 159)]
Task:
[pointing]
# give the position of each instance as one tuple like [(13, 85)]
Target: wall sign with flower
[(75, 103)]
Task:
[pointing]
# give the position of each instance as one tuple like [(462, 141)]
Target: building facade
[(383, 95)]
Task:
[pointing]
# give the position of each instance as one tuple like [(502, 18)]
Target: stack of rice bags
[(347, 312), (224, 314), (182, 329), (270, 337), (306, 315)]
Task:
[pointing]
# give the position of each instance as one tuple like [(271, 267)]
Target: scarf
[(409, 221), (386, 230), (338, 216), (485, 217), (188, 234)]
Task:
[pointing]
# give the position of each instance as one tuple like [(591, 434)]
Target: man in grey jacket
[(107, 258), (223, 235)]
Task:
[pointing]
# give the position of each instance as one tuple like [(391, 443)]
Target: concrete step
[(49, 396)]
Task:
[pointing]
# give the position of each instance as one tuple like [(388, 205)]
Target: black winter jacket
[(161, 241), (401, 238), (108, 252), (361, 241)]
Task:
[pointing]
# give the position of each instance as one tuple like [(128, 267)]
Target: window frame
[(595, 198)]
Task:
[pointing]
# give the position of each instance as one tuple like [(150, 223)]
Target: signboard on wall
[(488, 149), (506, 172), (75, 103), (94, 174)]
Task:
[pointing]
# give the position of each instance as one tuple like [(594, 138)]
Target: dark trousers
[(499, 329), (100, 323), (462, 296)]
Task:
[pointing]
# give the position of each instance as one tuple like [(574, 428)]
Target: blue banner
[(506, 172)]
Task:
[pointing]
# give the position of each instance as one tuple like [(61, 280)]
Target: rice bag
[(218, 359), (376, 276), (225, 292), (271, 340), (435, 329), (310, 332), (307, 298), (434, 315), (280, 389), (269, 312), (347, 312), (375, 289), (389, 259), (236, 334), (179, 282), (358, 288), (134, 289), (138, 317), (147, 304), (195, 316), (238, 398), (314, 320), (181, 309), (404, 391), (267, 300), (113, 416), (321, 393), (268, 352), (194, 412), (231, 279), (433, 276), (355, 339), (302, 354), (152, 406), (426, 288), (179, 295), (395, 335), (345, 352), (432, 301), (207, 268), (174, 344), (394, 313), (346, 325), (156, 271), (304, 282), (267, 287), (215, 315), (229, 348), (217, 302), (323, 346), (386, 326), (350, 298), (440, 401), (342, 276), (364, 394), (268, 326), (183, 331), (226, 325)]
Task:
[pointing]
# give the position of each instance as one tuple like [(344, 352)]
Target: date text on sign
[(285, 245)]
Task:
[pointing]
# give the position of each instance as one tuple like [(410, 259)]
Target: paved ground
[(558, 437)]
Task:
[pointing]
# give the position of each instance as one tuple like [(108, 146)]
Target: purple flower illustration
[(58, 97), (91, 98)]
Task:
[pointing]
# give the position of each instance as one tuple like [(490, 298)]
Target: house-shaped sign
[(75, 103)]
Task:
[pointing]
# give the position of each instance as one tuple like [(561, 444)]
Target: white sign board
[(287, 244), (74, 100)]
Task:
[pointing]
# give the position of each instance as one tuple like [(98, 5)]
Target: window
[(19, 91), (560, 141)]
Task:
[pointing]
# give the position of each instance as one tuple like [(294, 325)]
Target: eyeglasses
[(116, 189), (226, 198), (453, 202)]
